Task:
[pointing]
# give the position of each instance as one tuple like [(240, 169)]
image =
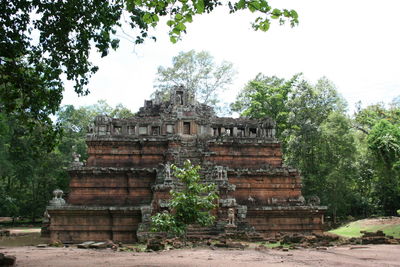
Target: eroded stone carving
[(167, 173), (251, 200), (57, 199), (146, 214), (231, 217), (76, 159), (228, 202), (314, 201), (221, 173), (241, 212), (301, 200)]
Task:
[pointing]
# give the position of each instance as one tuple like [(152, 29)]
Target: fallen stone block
[(372, 234), (155, 245), (6, 260), (296, 238), (85, 244), (358, 247), (261, 248), (4, 233), (98, 245), (392, 241)]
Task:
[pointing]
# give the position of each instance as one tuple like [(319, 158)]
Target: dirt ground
[(360, 255), (380, 221), (371, 255)]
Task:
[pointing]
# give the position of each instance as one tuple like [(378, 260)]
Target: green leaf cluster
[(30, 169), (190, 205)]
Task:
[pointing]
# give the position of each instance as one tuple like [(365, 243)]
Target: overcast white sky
[(355, 43)]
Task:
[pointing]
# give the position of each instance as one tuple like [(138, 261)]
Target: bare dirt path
[(371, 255)]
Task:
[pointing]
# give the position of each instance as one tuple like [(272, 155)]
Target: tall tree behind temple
[(29, 171), (311, 123), (379, 128), (266, 97), (319, 142), (75, 121), (199, 73)]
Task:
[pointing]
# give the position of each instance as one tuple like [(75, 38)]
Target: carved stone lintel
[(228, 202)]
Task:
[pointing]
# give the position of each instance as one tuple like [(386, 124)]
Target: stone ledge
[(294, 208), (85, 169), (94, 208)]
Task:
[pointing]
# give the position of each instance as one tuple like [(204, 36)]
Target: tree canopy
[(28, 171), (197, 72), (352, 164), (266, 97)]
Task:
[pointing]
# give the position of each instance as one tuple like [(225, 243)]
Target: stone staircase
[(189, 149)]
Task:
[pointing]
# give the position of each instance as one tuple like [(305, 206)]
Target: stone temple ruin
[(127, 177)]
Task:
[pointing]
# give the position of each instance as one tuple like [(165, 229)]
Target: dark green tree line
[(29, 172), (350, 163), (379, 129)]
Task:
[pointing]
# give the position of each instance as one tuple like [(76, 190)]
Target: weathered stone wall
[(273, 220), (245, 155), (82, 223), (128, 177), (111, 186), (120, 153)]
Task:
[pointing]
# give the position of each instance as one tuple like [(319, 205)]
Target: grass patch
[(353, 229)]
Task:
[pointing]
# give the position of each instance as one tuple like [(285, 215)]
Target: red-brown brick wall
[(114, 189), (253, 156), (126, 154)]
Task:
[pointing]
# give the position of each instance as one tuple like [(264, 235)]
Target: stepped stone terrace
[(127, 177)]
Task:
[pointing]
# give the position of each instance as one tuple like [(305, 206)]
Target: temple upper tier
[(181, 115)]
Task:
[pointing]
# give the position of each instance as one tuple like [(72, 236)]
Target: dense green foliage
[(197, 72), (265, 97), (380, 128), (28, 171), (352, 164), (190, 205)]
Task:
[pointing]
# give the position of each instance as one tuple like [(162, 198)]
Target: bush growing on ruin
[(190, 205)]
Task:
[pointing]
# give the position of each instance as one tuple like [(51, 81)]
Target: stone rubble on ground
[(86, 244), (7, 260), (4, 233)]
